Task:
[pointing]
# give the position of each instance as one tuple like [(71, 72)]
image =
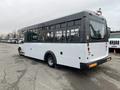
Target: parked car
[(21, 40), (13, 40)]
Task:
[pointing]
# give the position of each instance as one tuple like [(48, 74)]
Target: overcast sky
[(15, 14)]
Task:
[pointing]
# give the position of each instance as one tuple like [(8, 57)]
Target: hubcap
[(50, 62)]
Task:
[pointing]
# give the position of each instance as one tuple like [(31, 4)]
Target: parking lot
[(22, 73)]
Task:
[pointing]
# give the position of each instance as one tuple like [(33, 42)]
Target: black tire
[(20, 51), (51, 61)]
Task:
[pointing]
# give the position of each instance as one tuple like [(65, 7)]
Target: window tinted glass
[(73, 35), (31, 37), (65, 32), (98, 30), (58, 36)]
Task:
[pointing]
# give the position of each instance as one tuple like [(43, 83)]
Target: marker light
[(92, 65)]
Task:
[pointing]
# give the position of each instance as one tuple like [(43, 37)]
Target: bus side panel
[(27, 49), (72, 54), (33, 50)]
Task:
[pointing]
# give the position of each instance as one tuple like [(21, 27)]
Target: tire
[(20, 51), (51, 61)]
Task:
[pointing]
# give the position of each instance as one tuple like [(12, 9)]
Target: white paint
[(71, 52), (98, 51)]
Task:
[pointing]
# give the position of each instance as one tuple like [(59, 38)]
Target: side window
[(68, 36), (73, 35), (35, 37), (50, 36), (46, 36), (63, 38), (42, 36), (31, 37), (73, 31), (58, 36)]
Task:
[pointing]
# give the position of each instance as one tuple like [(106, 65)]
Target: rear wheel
[(51, 61)]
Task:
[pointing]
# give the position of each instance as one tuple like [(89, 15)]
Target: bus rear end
[(97, 36)]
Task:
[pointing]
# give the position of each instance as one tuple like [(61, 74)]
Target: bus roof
[(72, 17)]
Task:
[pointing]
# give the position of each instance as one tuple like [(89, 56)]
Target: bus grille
[(114, 42)]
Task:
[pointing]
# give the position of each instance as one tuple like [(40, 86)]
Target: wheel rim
[(50, 62)]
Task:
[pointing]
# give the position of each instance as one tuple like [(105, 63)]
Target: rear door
[(98, 51)]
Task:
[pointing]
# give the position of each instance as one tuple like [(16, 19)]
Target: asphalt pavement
[(22, 73)]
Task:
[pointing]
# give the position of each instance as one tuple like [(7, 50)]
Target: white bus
[(114, 42), (79, 40)]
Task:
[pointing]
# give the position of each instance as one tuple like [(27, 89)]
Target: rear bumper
[(95, 63)]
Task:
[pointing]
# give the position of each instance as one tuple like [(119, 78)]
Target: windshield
[(97, 30)]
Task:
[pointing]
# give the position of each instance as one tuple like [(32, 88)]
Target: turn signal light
[(92, 65)]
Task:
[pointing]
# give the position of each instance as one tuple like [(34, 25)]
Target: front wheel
[(20, 52), (51, 61)]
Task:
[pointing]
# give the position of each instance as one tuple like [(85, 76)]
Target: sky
[(16, 14)]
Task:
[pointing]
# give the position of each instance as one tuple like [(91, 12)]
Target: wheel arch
[(19, 48), (50, 53)]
